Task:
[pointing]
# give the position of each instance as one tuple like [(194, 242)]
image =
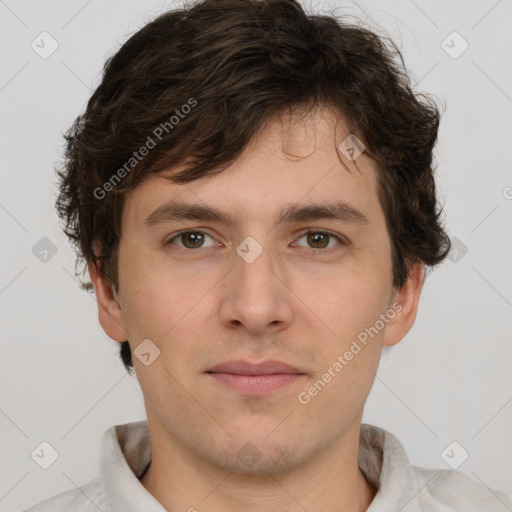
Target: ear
[(408, 298), (109, 311)]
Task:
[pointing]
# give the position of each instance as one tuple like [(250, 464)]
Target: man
[(252, 191)]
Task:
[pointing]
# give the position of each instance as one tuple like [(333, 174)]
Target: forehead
[(295, 160)]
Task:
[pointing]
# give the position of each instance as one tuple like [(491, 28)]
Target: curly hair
[(196, 85)]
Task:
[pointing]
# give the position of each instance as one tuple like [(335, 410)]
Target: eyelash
[(321, 232)]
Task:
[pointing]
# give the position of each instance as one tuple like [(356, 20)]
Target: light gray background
[(449, 379)]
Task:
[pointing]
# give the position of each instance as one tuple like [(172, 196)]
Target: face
[(312, 292)]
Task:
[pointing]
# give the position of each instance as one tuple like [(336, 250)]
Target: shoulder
[(409, 488), (89, 498), (450, 490)]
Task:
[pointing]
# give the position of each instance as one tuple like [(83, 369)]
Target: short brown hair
[(235, 64)]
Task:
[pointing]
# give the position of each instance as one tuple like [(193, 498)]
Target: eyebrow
[(177, 210)]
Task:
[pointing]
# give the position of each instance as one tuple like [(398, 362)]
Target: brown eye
[(320, 239), (190, 239)]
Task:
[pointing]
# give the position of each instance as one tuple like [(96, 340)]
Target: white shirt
[(126, 453)]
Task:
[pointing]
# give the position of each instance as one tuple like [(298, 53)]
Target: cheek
[(148, 287), (350, 350), (344, 301), (169, 308)]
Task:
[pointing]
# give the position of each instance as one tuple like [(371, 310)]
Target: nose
[(256, 294)]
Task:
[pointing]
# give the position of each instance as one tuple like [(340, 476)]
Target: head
[(247, 106)]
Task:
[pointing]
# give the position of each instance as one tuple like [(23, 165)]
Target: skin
[(294, 303)]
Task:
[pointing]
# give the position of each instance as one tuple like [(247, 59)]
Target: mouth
[(255, 378)]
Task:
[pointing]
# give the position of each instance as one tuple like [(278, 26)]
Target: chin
[(259, 455), (253, 459)]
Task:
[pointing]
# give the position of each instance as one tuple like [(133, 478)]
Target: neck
[(332, 481)]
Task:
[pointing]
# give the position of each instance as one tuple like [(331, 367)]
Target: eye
[(320, 239), (191, 239)]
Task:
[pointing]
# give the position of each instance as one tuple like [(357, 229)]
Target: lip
[(241, 367), (255, 378)]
